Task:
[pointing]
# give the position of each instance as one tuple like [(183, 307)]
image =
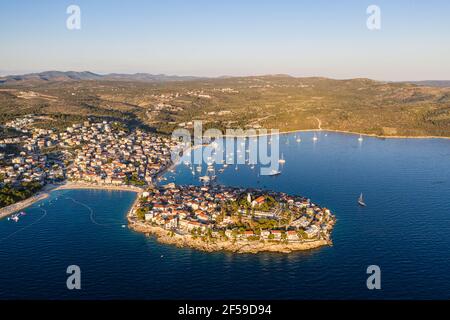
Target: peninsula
[(214, 218)]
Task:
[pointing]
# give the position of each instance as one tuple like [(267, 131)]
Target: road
[(320, 123)]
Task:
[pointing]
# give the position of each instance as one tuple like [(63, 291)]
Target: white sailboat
[(360, 139), (274, 173), (281, 160), (361, 201), (315, 137)]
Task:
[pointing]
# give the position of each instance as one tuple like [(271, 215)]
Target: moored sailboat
[(361, 201), (315, 137)]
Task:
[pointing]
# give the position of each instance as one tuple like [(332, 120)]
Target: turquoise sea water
[(405, 229)]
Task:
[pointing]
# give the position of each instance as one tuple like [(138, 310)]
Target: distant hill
[(432, 83), (49, 76), (162, 103)]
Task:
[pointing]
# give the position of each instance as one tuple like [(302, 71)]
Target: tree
[(140, 213)]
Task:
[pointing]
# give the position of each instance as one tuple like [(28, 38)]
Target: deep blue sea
[(405, 230)]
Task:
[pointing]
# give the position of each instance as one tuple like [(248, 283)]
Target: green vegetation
[(140, 213), (265, 224), (302, 234), (10, 133), (281, 102), (10, 195), (268, 204), (253, 238), (120, 126), (134, 181)]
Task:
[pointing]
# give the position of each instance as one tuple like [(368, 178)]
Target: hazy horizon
[(199, 38), (5, 74)]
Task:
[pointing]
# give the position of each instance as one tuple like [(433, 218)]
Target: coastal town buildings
[(107, 153), (100, 152), (224, 213)]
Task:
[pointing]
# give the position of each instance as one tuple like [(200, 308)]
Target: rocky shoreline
[(187, 241)]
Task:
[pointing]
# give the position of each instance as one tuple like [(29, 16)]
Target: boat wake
[(27, 226), (92, 215)]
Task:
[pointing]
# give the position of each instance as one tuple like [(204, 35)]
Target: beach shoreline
[(162, 235), (78, 185), (11, 209), (372, 135), (69, 185)]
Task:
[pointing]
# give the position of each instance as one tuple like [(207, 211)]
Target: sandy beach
[(73, 185), (9, 210), (41, 195), (70, 185)]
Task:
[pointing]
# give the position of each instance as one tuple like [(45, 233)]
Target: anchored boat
[(315, 137), (281, 160), (274, 173), (361, 201)]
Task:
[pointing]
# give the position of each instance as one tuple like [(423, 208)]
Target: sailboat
[(315, 137), (361, 201), (281, 160), (274, 173), (360, 139)]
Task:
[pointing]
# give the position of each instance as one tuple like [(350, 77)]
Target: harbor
[(123, 263)]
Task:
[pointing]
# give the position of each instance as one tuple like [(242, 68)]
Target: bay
[(405, 229)]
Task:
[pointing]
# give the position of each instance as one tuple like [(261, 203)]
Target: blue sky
[(213, 38)]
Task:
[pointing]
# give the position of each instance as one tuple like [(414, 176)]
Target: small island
[(215, 218)]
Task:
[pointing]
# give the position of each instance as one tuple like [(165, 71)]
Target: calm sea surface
[(405, 229)]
